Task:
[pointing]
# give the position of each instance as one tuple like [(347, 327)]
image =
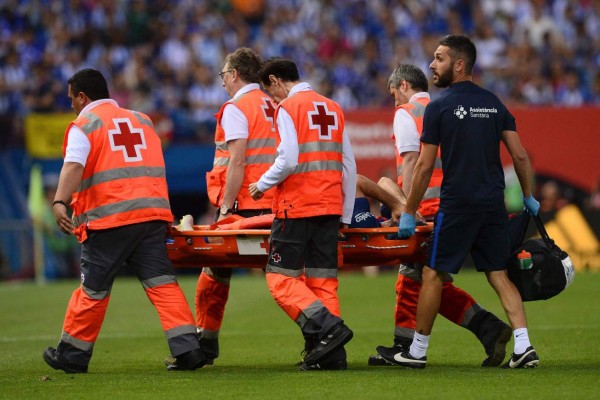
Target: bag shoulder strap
[(542, 230), (547, 240)]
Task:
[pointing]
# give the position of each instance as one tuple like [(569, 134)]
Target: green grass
[(259, 346)]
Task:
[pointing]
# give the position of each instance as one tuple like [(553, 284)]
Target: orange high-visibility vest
[(124, 180), (431, 200), (260, 151), (315, 186)]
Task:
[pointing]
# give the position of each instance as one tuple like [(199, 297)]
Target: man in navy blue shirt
[(468, 123)]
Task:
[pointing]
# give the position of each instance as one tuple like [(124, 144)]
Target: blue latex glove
[(406, 227), (531, 205)]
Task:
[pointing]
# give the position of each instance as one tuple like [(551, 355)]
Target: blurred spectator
[(332, 43), (162, 56), (141, 99), (569, 92), (551, 197), (593, 202), (138, 23), (538, 26), (14, 71), (205, 96), (538, 91), (42, 90), (174, 51), (491, 48)]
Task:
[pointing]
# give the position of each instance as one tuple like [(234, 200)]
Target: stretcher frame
[(248, 248)]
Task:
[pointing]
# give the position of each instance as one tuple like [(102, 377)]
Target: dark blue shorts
[(361, 215), (484, 235)]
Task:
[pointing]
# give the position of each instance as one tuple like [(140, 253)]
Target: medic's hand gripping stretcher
[(221, 245)]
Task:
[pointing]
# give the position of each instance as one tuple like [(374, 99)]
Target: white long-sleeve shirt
[(287, 159)]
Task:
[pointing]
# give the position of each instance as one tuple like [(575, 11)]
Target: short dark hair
[(91, 82), (282, 68), (461, 47), (411, 74), (246, 62)]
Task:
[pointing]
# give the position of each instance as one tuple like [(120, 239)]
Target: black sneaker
[(493, 334), (338, 336), (337, 365), (402, 358), (310, 342), (528, 359), (378, 361), (210, 349), (56, 361), (495, 344), (189, 361)]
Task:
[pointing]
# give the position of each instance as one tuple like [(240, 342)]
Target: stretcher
[(248, 248)]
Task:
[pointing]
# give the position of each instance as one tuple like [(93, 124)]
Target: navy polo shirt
[(467, 122)]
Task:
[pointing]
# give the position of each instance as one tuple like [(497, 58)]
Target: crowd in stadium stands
[(162, 56)]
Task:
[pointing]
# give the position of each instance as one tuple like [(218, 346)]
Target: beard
[(445, 79)]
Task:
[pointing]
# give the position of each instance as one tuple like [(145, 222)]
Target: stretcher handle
[(204, 230), (392, 229), (233, 232)]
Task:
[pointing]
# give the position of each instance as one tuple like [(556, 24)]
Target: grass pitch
[(259, 346)]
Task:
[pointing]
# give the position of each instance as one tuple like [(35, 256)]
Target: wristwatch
[(224, 210)]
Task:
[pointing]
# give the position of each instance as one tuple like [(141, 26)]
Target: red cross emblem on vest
[(323, 120), (269, 111), (276, 257), (127, 139)]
